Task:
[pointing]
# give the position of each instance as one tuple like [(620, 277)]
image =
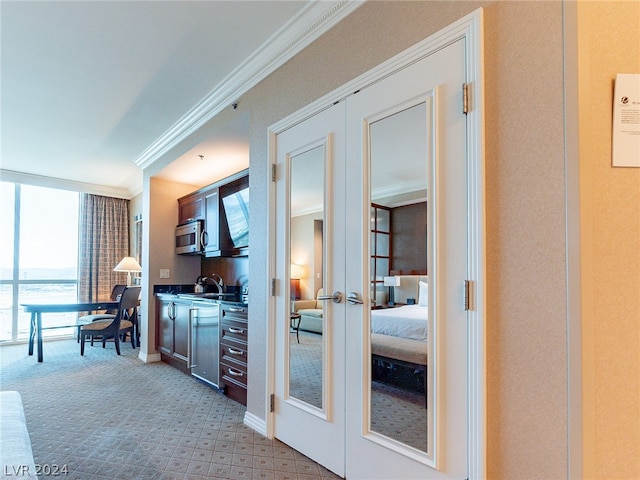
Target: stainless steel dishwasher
[(204, 327)]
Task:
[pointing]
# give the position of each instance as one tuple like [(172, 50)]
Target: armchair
[(310, 313)]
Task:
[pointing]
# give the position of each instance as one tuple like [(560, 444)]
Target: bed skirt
[(399, 361)]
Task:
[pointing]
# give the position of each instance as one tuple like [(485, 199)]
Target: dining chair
[(131, 314), (116, 291), (116, 326), (115, 295)]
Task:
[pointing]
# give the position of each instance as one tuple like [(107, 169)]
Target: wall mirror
[(398, 167), (308, 316)]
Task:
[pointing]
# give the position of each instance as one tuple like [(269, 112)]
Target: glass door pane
[(308, 315), (399, 403)]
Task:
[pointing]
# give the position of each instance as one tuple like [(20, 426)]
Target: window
[(380, 252), (38, 256)]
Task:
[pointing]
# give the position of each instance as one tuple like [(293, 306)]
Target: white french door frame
[(469, 28)]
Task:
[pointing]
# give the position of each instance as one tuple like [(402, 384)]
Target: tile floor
[(109, 417)]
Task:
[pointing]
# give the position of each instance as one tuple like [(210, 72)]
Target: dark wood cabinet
[(172, 326), (234, 350), (212, 221), (181, 330), (207, 204), (164, 326), (172, 336), (190, 208)]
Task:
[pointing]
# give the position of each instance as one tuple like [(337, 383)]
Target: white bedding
[(408, 321)]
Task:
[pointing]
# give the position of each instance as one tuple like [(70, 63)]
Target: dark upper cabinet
[(190, 208), (212, 241), (234, 215), (207, 204)]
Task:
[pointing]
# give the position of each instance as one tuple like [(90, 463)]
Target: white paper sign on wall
[(626, 121)]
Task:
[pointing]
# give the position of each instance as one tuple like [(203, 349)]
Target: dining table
[(37, 309)]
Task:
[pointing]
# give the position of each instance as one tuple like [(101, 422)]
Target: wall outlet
[(165, 273)]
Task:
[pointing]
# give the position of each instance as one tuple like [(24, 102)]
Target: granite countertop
[(186, 292)]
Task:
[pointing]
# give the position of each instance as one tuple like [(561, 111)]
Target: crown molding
[(63, 184), (310, 23)]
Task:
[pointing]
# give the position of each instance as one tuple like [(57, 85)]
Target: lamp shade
[(296, 271), (391, 281), (128, 264)]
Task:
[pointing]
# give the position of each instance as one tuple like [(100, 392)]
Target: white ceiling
[(92, 90)]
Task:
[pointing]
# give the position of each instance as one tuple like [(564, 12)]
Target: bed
[(399, 336), (407, 321)]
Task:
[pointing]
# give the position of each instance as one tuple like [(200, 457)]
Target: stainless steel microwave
[(190, 238)]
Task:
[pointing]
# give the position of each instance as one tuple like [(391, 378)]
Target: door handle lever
[(354, 298), (336, 297)]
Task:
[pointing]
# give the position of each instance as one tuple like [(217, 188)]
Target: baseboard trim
[(256, 423), (146, 358)]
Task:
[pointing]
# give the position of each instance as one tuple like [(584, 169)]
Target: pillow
[(423, 294)]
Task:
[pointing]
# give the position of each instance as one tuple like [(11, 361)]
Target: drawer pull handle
[(236, 309), (235, 373), (236, 330), (233, 351)]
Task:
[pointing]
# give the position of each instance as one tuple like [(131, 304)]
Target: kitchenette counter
[(185, 292), (227, 298), (205, 335)]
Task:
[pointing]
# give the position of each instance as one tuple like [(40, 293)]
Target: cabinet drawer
[(235, 353), (234, 374), (233, 330), (235, 311), (236, 392)]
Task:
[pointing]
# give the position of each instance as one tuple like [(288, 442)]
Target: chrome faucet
[(219, 283)]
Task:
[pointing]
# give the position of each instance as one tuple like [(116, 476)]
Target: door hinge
[(272, 402), (465, 98), (273, 172), (467, 294), (273, 287)]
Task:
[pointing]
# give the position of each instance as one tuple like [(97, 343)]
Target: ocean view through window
[(38, 257)]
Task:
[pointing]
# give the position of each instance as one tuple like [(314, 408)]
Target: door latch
[(354, 298), (336, 297)]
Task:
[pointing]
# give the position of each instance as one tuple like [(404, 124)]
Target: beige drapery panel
[(104, 241)]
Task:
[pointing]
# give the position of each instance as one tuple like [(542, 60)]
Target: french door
[(311, 224), (353, 390), (410, 122)]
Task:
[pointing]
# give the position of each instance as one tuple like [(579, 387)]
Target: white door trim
[(470, 28)]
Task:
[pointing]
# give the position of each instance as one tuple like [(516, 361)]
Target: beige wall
[(526, 282), (527, 333), (159, 220), (609, 43), (527, 374)]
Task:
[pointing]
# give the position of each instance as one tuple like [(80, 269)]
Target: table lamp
[(391, 282), (128, 264), (295, 275)]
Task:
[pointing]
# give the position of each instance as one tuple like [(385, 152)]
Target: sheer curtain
[(104, 241)]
